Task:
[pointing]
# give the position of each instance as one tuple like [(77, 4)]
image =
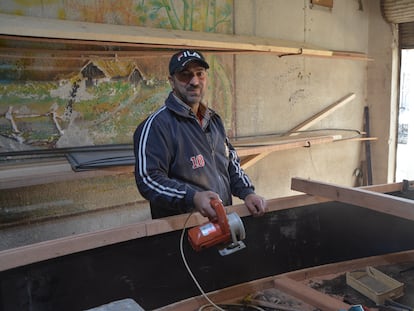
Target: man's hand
[(202, 203), (255, 204)]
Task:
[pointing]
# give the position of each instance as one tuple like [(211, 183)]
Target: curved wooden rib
[(294, 284)]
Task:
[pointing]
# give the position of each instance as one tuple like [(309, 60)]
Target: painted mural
[(51, 100)]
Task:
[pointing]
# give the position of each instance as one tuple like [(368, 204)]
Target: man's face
[(190, 83)]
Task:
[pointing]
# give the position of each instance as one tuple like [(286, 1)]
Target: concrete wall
[(273, 94)]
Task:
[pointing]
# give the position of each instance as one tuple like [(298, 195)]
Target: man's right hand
[(202, 204)]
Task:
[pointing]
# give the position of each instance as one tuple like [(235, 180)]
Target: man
[(183, 157)]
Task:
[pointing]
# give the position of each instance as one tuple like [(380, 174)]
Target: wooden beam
[(303, 126), (360, 139), (379, 202), (31, 174), (264, 150), (351, 55), (368, 161), (322, 114), (350, 265), (287, 144), (64, 29), (28, 26), (309, 295), (251, 160)]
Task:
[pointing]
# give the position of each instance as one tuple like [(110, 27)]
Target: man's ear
[(171, 80)]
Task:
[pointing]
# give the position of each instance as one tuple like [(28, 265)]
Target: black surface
[(150, 270), (85, 160)]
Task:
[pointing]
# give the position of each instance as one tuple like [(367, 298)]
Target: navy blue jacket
[(175, 157)]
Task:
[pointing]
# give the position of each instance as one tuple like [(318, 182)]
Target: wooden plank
[(287, 144), (379, 202), (322, 114), (274, 139), (361, 139), (230, 294), (30, 174), (295, 131), (326, 3), (29, 26), (29, 169), (68, 245), (256, 153), (350, 265), (351, 55), (309, 295), (246, 163), (385, 188), (249, 160), (367, 147), (64, 29)]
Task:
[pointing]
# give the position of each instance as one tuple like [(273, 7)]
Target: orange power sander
[(227, 232)]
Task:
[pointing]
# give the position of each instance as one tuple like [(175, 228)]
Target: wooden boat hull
[(150, 269), (322, 287)]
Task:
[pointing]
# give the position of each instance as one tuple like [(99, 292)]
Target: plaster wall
[(272, 95)]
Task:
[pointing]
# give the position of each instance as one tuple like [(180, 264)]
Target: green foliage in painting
[(202, 15)]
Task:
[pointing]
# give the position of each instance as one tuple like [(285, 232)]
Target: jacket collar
[(179, 107)]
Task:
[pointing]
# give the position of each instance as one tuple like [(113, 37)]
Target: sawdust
[(284, 301)]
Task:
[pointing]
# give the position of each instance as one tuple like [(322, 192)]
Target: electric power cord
[(188, 267), (211, 303)]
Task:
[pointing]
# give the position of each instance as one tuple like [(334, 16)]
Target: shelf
[(30, 173), (33, 28), (45, 172)]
